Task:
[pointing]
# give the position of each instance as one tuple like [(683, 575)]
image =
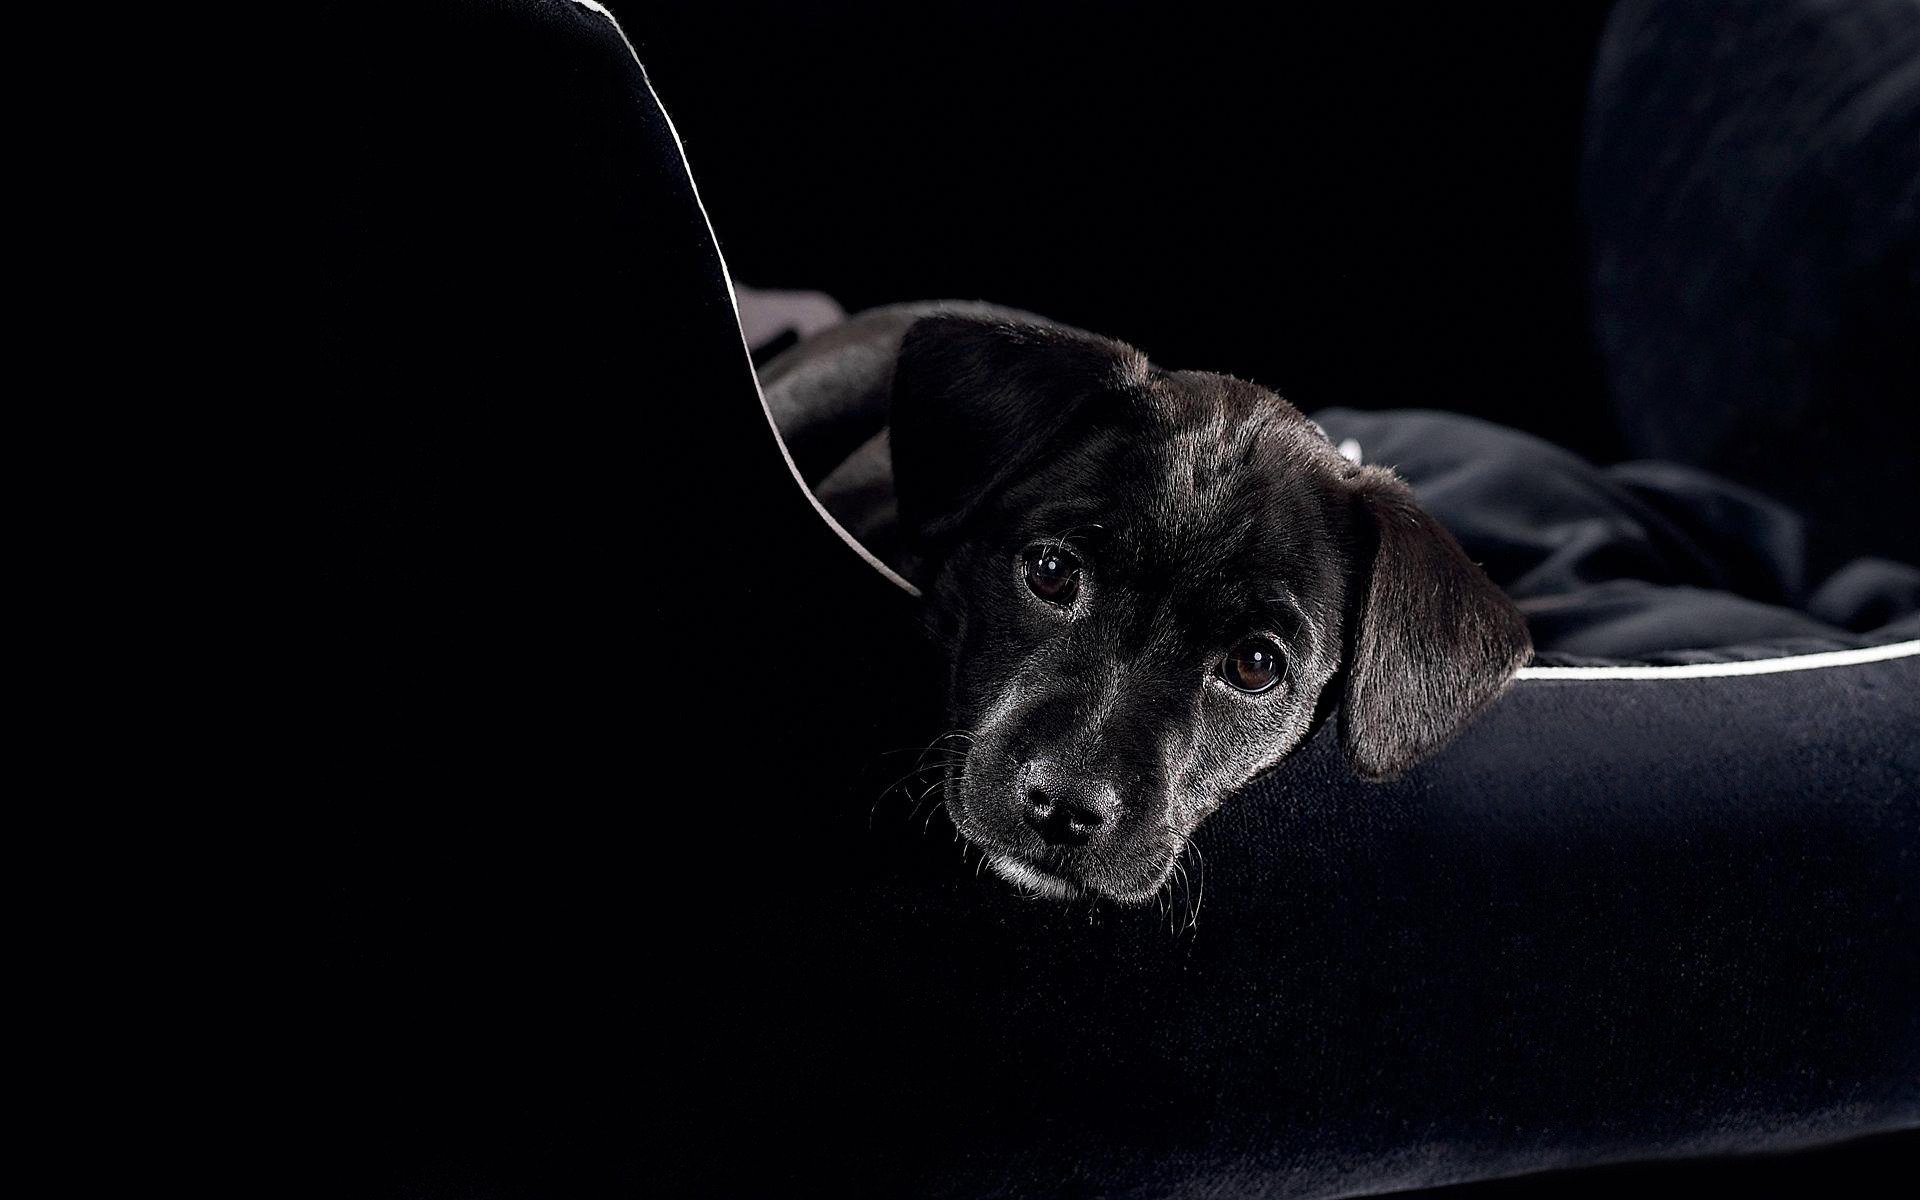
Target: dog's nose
[(1063, 808)]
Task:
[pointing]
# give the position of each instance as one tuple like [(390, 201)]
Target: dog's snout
[(1063, 808)]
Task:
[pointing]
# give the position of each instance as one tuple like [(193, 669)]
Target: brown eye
[(1253, 666), (1053, 573)]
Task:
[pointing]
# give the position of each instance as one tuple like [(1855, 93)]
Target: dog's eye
[(1053, 573), (1253, 666)]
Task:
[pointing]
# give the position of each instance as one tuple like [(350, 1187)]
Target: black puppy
[(1151, 585)]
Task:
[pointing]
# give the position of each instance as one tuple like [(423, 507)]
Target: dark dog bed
[(596, 698), (1613, 847)]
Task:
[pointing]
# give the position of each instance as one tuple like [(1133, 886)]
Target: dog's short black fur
[(1152, 585)]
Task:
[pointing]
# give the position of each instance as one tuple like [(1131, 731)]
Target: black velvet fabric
[(1636, 562), (591, 714), (1752, 189), (1615, 920)]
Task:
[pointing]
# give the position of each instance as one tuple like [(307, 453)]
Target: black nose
[(1064, 808)]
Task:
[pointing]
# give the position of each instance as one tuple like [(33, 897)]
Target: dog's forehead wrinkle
[(1211, 496)]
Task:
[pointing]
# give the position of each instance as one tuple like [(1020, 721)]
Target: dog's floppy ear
[(978, 401), (1433, 642)]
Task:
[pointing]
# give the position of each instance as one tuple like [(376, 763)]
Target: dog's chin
[(1046, 883), (1040, 884)]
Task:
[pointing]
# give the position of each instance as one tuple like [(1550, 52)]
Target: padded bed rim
[(1820, 660), (733, 298)]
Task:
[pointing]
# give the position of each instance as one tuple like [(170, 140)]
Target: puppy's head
[(1153, 585)]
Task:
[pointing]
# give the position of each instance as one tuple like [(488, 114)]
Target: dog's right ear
[(978, 401)]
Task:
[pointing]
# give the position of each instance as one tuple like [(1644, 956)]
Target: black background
[(1353, 206)]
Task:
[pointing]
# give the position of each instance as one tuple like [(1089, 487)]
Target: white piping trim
[(888, 572), (1758, 666), (1764, 666)]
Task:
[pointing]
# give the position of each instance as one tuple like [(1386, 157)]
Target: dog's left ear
[(1434, 640), (978, 401)]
